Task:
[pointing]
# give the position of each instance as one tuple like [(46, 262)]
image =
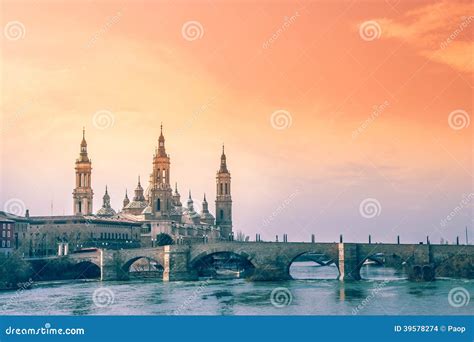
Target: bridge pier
[(349, 264), (110, 266), (421, 268), (176, 265)]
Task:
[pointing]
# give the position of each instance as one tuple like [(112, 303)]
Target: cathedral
[(159, 209)]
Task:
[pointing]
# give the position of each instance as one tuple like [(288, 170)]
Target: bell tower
[(223, 198), (83, 194), (160, 199)]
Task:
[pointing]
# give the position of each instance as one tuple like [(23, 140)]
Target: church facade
[(158, 208)]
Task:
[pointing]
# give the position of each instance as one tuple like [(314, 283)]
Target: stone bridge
[(272, 260)]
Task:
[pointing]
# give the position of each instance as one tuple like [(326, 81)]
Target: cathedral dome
[(136, 205), (104, 211)]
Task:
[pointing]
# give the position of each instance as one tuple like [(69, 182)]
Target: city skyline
[(358, 120)]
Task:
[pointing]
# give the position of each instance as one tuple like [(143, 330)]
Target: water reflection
[(312, 270), (350, 292)]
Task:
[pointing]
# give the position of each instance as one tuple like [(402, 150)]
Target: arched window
[(222, 214), (226, 189), (158, 205), (221, 191)]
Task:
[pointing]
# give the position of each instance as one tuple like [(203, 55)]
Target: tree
[(163, 239), (240, 236), (13, 270)]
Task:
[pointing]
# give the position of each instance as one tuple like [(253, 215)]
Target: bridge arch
[(314, 263), (86, 269), (149, 267), (223, 264), (382, 266)]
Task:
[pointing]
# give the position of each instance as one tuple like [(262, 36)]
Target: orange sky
[(327, 64)]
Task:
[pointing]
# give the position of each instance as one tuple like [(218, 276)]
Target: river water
[(382, 292)]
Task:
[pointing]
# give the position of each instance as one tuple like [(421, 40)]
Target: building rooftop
[(80, 218)]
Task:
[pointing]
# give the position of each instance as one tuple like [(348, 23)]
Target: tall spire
[(83, 155), (126, 201), (106, 198), (205, 208), (139, 192), (83, 142), (161, 143), (223, 168), (83, 194)]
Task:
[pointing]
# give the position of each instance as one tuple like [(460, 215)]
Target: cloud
[(441, 32)]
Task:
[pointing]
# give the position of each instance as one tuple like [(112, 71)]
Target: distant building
[(78, 232), (18, 234), (6, 235)]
